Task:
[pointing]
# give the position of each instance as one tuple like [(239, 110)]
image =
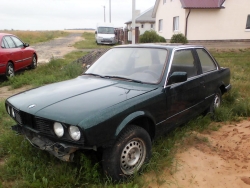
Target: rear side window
[(2, 44), (5, 44), (183, 61), (207, 64), (10, 42)]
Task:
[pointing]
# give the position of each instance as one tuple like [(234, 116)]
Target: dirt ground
[(223, 161), (58, 47)]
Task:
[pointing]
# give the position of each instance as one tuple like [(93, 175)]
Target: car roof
[(160, 45), (3, 34)]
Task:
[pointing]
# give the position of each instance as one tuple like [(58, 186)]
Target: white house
[(143, 21), (203, 19)]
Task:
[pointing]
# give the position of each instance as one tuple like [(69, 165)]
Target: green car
[(128, 97)]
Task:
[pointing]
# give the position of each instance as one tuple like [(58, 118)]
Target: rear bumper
[(229, 87)]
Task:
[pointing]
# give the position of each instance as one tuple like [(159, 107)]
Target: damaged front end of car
[(64, 152)]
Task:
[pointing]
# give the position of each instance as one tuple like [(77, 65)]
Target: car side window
[(10, 42), (5, 43), (2, 44), (207, 64), (18, 42), (183, 61)]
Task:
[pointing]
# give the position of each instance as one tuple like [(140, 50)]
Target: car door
[(210, 75), (14, 54), (185, 98), (26, 54)]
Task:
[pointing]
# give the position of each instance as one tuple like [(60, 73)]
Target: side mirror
[(177, 77), (87, 66), (95, 32), (26, 45)]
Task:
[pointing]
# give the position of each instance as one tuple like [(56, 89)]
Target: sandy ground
[(223, 161), (6, 91)]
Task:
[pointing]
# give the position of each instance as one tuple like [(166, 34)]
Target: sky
[(65, 14)]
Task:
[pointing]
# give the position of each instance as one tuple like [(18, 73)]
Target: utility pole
[(109, 11), (133, 21), (104, 14)]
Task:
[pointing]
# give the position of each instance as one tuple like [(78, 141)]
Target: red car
[(15, 55)]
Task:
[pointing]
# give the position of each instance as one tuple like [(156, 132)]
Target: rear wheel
[(216, 101), (10, 70), (128, 154)]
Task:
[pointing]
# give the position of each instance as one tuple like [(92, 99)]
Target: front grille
[(42, 126), (18, 117)]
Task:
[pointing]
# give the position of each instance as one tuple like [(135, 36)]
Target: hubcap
[(216, 101), (10, 71), (133, 156), (34, 62)]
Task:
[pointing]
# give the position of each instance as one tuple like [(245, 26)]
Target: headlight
[(100, 37), (75, 133), (8, 109), (58, 129), (13, 113)]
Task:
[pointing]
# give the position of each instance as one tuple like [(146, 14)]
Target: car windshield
[(134, 64), (106, 30)]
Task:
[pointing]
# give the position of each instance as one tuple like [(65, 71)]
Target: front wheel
[(10, 70), (131, 150), (33, 64)]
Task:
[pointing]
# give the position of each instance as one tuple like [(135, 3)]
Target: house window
[(152, 26), (164, 1), (160, 25), (248, 22), (142, 26), (176, 23)]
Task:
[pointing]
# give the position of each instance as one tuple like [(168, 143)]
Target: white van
[(105, 34)]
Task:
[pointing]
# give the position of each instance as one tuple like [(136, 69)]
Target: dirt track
[(224, 161), (56, 48)]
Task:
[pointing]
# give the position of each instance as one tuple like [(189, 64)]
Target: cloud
[(61, 14)]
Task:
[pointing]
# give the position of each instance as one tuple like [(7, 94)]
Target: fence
[(122, 35)]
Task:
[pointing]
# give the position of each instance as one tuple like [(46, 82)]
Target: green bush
[(151, 36), (179, 38)]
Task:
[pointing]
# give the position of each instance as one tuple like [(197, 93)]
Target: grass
[(33, 37), (55, 71), (89, 42), (22, 165)]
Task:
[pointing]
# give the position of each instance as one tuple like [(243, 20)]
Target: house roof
[(195, 4), (202, 4), (146, 16)]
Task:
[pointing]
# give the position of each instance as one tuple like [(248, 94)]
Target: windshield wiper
[(92, 74), (124, 78)]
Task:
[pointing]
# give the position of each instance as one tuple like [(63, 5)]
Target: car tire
[(216, 101), (10, 72), (33, 64), (131, 150)]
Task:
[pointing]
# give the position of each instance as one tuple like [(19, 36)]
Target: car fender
[(132, 117)]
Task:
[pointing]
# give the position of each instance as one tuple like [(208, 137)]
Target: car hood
[(70, 100)]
